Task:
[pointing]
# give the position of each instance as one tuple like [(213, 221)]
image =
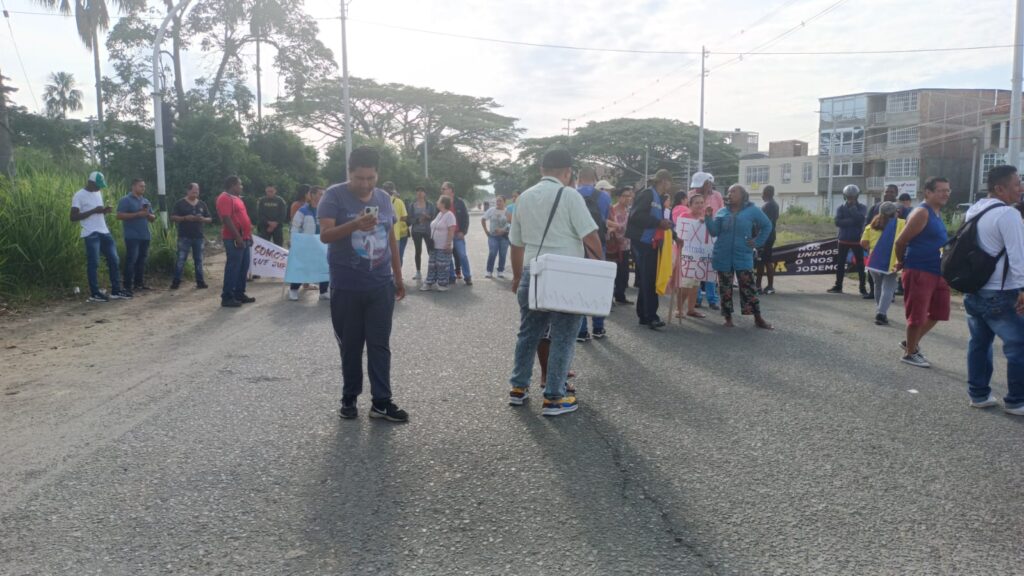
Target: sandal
[(761, 323), (696, 314)]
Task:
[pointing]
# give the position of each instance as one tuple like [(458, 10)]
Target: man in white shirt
[(571, 226), (998, 308), (88, 209)]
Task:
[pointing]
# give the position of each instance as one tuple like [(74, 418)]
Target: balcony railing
[(876, 183), (876, 150)]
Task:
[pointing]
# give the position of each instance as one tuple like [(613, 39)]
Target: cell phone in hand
[(374, 210)]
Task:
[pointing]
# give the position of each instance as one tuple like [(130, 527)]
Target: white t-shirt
[(1001, 228), (571, 223), (497, 221), (439, 229), (85, 201)]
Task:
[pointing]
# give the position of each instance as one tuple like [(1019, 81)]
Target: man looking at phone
[(88, 210), (237, 235), (357, 223)]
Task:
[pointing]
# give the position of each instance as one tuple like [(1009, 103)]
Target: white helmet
[(851, 191)]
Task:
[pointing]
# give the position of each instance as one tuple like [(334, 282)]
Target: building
[(874, 139), (993, 146), (793, 173), (743, 141)]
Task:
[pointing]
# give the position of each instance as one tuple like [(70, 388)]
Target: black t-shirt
[(771, 210), (190, 229)]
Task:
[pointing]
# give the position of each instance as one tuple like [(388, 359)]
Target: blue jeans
[(236, 268), (185, 245), (135, 253), (459, 251), (709, 289), (497, 246), (363, 319), (532, 325), (401, 249), (992, 313), (95, 244)]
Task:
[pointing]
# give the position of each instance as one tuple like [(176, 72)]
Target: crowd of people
[(896, 248)]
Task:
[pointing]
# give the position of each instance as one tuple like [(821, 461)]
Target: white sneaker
[(417, 276), (1018, 411), (488, 275), (442, 288), (425, 287), (325, 295), (988, 403), (501, 274), (916, 359), (293, 294)]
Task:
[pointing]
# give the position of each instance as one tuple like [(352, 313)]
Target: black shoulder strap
[(551, 217)]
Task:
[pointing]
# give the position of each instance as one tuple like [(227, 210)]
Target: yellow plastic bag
[(664, 266)]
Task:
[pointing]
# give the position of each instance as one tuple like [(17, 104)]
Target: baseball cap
[(604, 185), (98, 179), (700, 178)]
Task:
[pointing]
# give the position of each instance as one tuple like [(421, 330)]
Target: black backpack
[(965, 265), (595, 213)]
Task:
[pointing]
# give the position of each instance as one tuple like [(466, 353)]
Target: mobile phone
[(371, 210)]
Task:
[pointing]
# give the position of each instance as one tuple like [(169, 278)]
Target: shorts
[(765, 253), (685, 283), (926, 297)]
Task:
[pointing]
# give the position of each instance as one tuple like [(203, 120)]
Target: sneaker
[(121, 295), (656, 325), (501, 274), (714, 306), (599, 333), (835, 290), (442, 288), (488, 275), (325, 295), (881, 320), (903, 345), (768, 291), (98, 297), (230, 303), (584, 337), (293, 294), (202, 285), (246, 299), (389, 412), (469, 281), (1018, 411), (426, 287), (175, 284), (986, 403), (417, 276), (916, 359), (517, 396), (143, 287), (348, 410), (867, 295), (559, 406)]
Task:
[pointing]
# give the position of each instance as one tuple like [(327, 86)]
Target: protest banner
[(307, 260), (267, 259), (817, 257), (695, 256)]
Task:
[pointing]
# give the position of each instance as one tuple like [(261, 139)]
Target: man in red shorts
[(918, 254)]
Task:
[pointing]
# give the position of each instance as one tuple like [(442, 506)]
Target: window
[(995, 137), (902, 102), (845, 141), (757, 174), (990, 160), (902, 168), (847, 169), (844, 109), (787, 173), (902, 136), (808, 172)]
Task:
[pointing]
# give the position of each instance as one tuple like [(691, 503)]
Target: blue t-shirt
[(363, 260), (136, 228), (604, 200)]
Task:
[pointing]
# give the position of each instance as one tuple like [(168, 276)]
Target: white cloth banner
[(698, 245), (267, 259), (307, 260)]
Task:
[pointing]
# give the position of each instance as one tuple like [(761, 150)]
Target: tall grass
[(41, 252)]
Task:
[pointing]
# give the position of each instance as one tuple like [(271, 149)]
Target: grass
[(798, 225)]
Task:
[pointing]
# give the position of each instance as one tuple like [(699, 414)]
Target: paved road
[(206, 441)]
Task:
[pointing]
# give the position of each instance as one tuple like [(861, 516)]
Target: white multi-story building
[(795, 178)]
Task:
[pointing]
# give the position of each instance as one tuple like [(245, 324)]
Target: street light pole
[(158, 121), (344, 76), (1015, 99), (700, 134)]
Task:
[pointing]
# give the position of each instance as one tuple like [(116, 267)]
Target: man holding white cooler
[(551, 218)]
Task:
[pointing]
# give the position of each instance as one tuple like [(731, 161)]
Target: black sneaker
[(389, 412), (867, 295), (121, 295), (230, 303), (881, 320), (584, 337), (656, 325), (835, 290), (243, 299), (98, 297), (144, 287), (469, 281), (175, 284), (201, 285), (348, 410), (599, 333)]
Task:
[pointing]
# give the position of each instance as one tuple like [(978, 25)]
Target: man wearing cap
[(135, 212), (703, 183), (599, 203), (88, 210), (571, 228)]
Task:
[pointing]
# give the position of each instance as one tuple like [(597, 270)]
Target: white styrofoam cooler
[(572, 285)]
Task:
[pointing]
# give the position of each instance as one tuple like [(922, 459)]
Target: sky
[(774, 95)]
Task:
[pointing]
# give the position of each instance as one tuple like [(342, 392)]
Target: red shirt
[(231, 206)]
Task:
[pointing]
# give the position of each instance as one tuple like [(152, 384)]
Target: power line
[(17, 53)]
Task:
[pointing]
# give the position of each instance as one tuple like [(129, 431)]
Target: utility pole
[(647, 154), (344, 76), (568, 126), (158, 123), (700, 134), (1015, 100), (259, 70)]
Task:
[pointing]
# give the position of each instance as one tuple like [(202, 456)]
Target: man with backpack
[(919, 255), (994, 286), (599, 204)]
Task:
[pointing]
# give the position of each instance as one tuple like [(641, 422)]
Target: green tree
[(6, 133), (288, 161), (60, 95)]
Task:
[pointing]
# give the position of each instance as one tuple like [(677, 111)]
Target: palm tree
[(91, 17), (61, 95)]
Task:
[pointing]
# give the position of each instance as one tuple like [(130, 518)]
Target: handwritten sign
[(698, 245), (267, 259)]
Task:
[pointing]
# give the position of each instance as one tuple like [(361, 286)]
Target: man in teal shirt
[(135, 213)]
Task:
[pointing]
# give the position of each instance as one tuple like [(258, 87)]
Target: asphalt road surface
[(169, 436)]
